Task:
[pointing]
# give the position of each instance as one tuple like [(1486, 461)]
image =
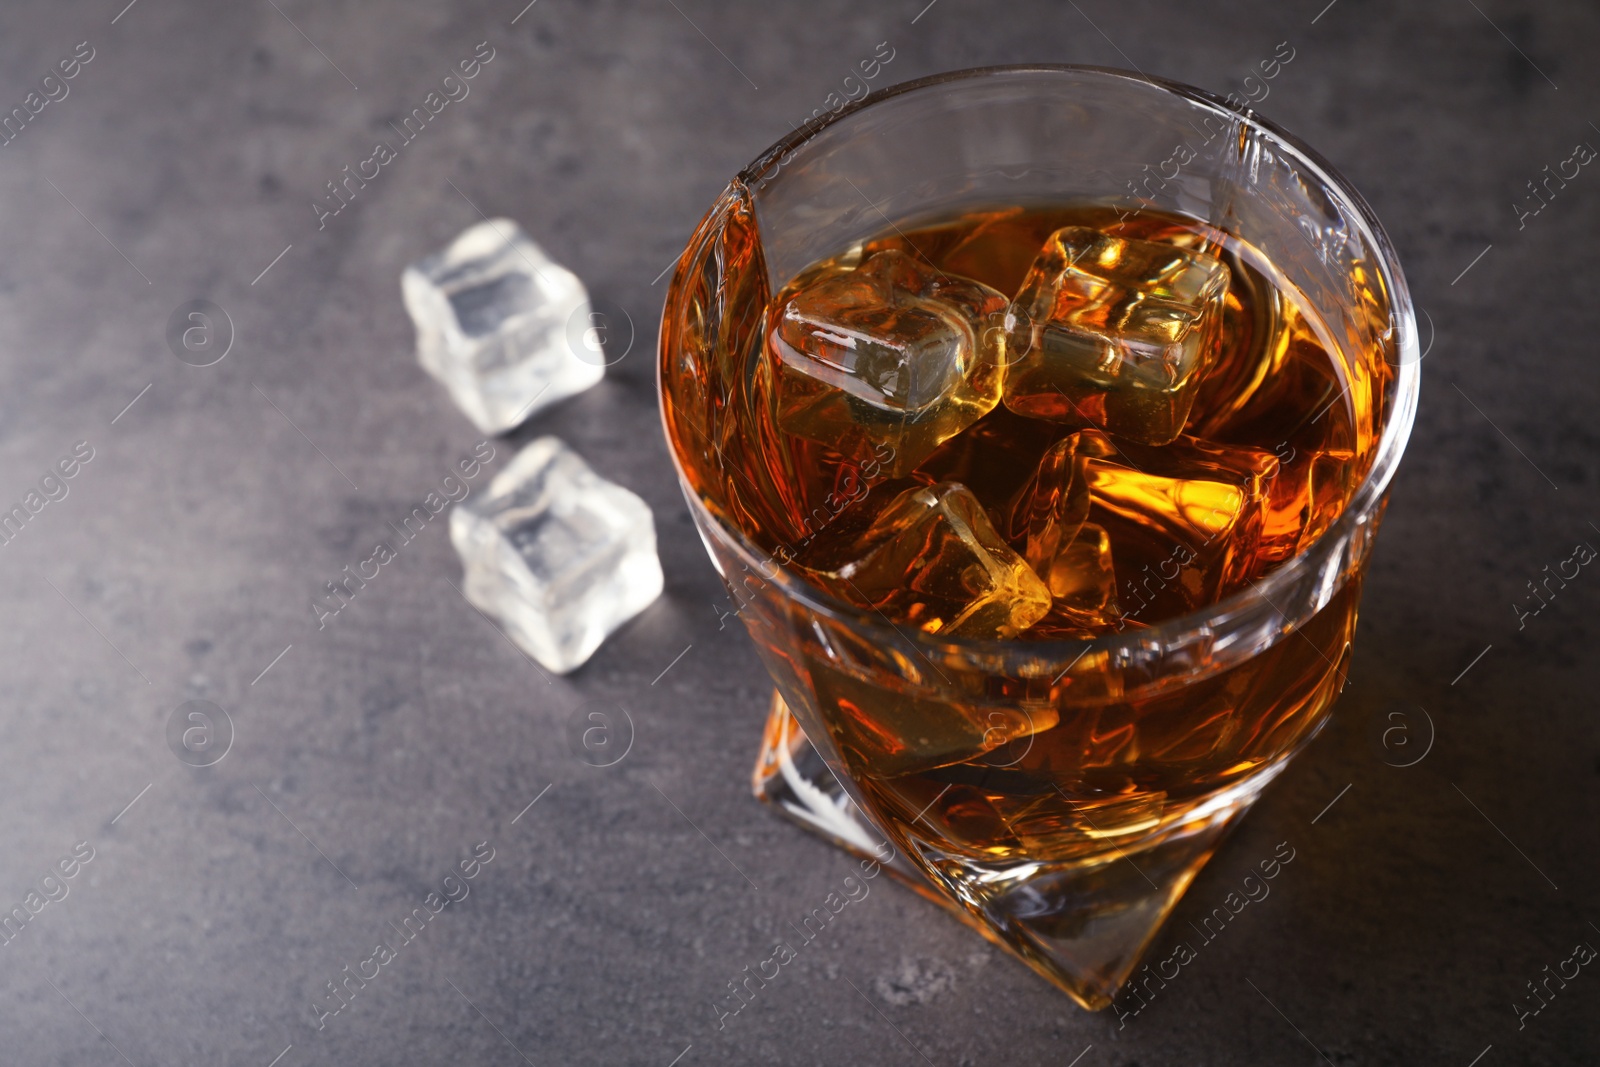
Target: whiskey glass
[(1124, 759)]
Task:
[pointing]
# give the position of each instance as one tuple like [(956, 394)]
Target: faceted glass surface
[(497, 321), (557, 554), (890, 352), (911, 725), (1085, 924), (1114, 333)]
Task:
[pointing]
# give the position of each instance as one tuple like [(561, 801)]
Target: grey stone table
[(210, 907)]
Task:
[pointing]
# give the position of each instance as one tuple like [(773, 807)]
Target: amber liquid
[(995, 772), (1274, 395)]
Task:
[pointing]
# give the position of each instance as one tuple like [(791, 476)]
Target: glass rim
[(1179, 629)]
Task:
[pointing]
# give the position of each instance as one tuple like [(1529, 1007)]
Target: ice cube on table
[(931, 559), (501, 324), (560, 556), (891, 352), (1114, 333)]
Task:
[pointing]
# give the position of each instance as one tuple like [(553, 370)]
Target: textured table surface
[(370, 756)]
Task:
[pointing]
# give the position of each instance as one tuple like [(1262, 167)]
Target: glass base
[(792, 777), (1083, 925)]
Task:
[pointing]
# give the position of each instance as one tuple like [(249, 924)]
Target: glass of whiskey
[(1039, 422)]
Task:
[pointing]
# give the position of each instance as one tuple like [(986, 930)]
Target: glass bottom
[(1083, 925)]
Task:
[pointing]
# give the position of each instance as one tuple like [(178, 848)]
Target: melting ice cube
[(891, 352), (560, 556), (1114, 333), (1195, 506), (932, 559), (501, 324)]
